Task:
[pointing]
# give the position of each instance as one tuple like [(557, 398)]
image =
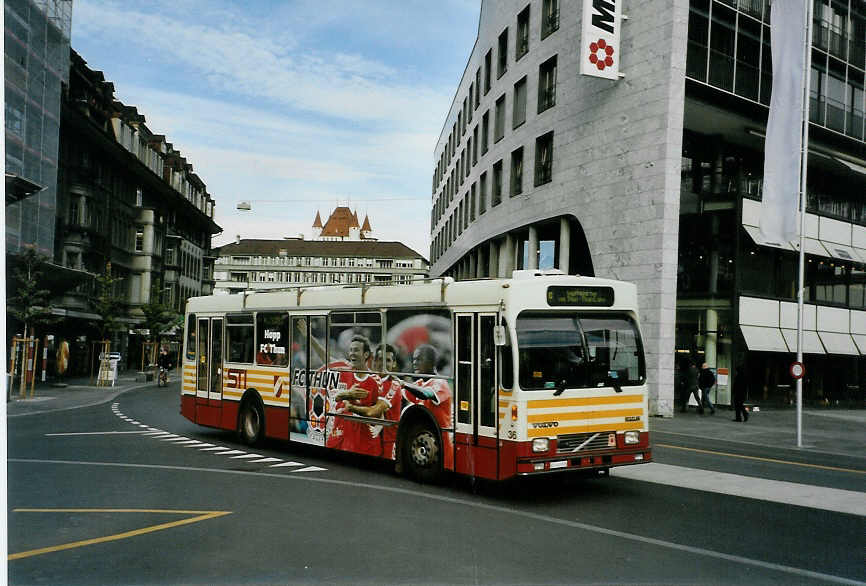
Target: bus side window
[(506, 364), (190, 337)]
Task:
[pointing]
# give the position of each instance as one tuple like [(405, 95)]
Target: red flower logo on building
[(601, 54)]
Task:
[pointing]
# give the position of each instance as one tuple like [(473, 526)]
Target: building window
[(544, 159), (485, 131), (499, 122), (547, 84), (517, 172), (502, 57), (139, 197), (519, 106), (477, 88), (522, 42), (482, 194), (460, 218), (472, 203), (488, 65), (549, 17), (497, 183), (475, 145), (139, 240)]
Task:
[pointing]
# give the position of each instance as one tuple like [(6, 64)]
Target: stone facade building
[(654, 178)]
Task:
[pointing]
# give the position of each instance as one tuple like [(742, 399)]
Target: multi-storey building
[(36, 47), (342, 251), (129, 198), (655, 178)]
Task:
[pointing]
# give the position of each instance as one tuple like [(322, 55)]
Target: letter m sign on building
[(600, 38)]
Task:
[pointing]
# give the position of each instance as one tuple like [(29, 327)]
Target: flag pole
[(804, 160)]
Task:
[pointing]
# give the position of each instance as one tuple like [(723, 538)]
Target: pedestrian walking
[(706, 380), (690, 386), (741, 390)]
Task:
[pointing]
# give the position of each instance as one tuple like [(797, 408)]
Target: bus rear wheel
[(251, 423), (421, 454)]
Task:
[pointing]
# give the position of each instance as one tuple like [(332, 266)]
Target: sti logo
[(600, 38)]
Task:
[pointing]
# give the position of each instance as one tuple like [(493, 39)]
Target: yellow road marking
[(760, 459), (201, 516)]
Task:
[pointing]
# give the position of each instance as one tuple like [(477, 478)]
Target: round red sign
[(797, 370)]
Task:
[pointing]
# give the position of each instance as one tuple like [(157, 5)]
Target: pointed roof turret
[(355, 223), (318, 222), (366, 227)]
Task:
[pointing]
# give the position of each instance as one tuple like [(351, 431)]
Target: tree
[(158, 317), (30, 302), (107, 304)]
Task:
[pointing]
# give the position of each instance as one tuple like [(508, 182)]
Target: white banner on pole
[(781, 193), (600, 38)]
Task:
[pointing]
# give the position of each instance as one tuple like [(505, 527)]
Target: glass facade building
[(36, 49)]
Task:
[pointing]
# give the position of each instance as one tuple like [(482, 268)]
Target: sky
[(294, 106)]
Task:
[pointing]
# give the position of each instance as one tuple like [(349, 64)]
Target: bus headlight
[(540, 444), (632, 437)]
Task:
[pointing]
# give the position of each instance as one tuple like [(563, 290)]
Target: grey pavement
[(828, 431), (76, 393), (825, 431)]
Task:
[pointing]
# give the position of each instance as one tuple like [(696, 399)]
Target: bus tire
[(421, 453), (251, 422)]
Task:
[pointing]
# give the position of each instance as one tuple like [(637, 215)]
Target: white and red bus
[(491, 378)]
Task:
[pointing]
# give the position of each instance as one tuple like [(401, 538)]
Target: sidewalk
[(77, 393), (830, 431)]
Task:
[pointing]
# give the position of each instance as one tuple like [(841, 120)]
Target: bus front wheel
[(251, 425), (421, 454)]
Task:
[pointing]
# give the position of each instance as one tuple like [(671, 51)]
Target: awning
[(842, 251), (811, 342), (762, 339), (860, 340), (812, 246), (755, 234), (838, 343)]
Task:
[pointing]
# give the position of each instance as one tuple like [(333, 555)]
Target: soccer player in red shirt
[(433, 393)]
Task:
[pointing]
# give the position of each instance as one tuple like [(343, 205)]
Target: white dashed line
[(309, 469), (179, 440)]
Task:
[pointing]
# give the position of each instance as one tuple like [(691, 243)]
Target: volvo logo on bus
[(545, 425)]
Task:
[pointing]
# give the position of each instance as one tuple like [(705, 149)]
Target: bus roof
[(527, 288)]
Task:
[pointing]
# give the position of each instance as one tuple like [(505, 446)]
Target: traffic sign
[(797, 370)]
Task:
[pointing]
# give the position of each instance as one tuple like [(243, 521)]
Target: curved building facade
[(540, 167), (656, 177)]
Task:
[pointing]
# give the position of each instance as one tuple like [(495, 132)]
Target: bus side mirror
[(499, 337)]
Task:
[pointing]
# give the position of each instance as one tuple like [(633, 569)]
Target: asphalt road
[(129, 492)]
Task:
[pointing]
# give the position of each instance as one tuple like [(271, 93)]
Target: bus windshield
[(575, 350)]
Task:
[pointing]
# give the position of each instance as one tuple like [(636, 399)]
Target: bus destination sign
[(558, 295)]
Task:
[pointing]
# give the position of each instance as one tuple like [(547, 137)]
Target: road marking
[(95, 433), (246, 456), (309, 469), (263, 460), (778, 491), (214, 449), (761, 459), (231, 452), (415, 492), (201, 446), (201, 516), (190, 443), (286, 464)]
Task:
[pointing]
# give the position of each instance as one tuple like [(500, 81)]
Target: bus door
[(309, 403), (476, 395), (209, 368)]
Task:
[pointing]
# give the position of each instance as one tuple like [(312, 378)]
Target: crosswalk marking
[(180, 440)]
